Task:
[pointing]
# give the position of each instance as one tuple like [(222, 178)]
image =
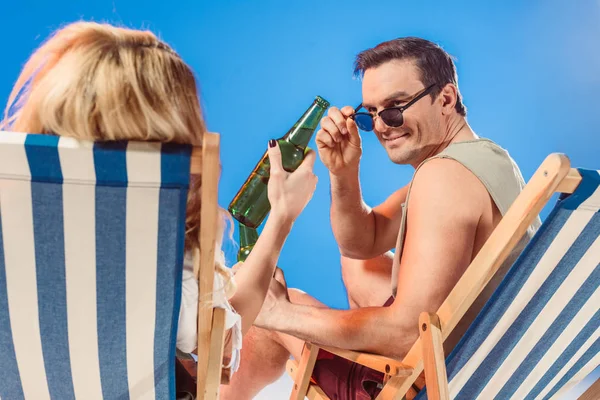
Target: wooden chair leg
[(211, 322), (593, 392), (314, 392), (433, 357), (304, 372), (212, 377)]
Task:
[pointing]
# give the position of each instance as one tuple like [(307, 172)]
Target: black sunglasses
[(391, 116)]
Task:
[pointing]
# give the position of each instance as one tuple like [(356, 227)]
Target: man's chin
[(399, 157)]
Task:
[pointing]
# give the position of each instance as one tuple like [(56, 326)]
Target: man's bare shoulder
[(446, 183), (445, 207)]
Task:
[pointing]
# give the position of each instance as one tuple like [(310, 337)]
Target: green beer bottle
[(251, 205), (248, 238)]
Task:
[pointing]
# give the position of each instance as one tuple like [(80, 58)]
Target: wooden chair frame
[(554, 175), (211, 321)]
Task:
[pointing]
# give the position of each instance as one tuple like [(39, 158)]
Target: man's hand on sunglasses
[(338, 141)]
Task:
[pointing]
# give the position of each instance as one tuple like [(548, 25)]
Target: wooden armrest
[(592, 393), (569, 182), (388, 366)]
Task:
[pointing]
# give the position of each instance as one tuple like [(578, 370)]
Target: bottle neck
[(248, 236), (303, 129)]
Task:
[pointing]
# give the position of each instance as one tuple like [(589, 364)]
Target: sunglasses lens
[(364, 121), (392, 117)]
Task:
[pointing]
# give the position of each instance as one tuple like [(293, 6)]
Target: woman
[(98, 82)]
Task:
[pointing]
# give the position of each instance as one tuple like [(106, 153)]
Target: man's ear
[(448, 96)]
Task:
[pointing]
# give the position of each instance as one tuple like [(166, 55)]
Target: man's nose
[(379, 125)]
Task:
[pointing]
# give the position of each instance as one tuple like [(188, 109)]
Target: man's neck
[(457, 130)]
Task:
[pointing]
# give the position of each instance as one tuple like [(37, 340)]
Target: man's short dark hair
[(435, 65)]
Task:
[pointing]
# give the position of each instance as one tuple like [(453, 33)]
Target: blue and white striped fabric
[(539, 334), (91, 254)]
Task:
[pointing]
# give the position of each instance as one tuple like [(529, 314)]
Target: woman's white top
[(187, 336)]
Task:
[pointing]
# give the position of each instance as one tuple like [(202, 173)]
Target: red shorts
[(341, 379)]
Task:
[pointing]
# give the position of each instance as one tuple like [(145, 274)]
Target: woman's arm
[(288, 194)]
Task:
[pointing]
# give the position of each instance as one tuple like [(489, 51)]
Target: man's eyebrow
[(394, 96)]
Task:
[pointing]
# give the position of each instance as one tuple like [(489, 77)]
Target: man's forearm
[(352, 221), (370, 329)]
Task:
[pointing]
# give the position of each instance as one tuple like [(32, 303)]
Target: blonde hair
[(99, 82)]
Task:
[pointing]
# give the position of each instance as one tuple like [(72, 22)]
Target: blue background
[(528, 72)]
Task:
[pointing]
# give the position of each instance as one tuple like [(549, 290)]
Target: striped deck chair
[(91, 256), (539, 333)]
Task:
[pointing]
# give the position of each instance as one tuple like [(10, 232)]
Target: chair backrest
[(91, 255), (539, 334)]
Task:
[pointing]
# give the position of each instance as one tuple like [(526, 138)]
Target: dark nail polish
[(272, 143)]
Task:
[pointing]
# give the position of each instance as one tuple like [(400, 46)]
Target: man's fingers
[(347, 111), (354, 136), (338, 119), (324, 139), (329, 126)]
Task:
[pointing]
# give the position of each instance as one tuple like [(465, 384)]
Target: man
[(461, 188)]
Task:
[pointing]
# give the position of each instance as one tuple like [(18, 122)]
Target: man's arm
[(445, 207), (360, 231)]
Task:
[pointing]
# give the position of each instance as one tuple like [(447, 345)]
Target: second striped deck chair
[(91, 256), (539, 333)]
